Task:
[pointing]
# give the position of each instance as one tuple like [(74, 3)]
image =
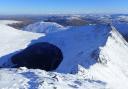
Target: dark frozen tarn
[(39, 56)]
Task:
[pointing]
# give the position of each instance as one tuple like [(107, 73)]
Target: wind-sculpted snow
[(23, 78), (44, 27)]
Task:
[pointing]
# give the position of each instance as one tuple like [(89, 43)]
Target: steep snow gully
[(94, 57)]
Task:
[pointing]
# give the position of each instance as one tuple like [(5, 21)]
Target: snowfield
[(44, 27), (23, 78), (13, 40), (95, 57)]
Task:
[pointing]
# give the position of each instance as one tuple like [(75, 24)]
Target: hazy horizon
[(40, 7)]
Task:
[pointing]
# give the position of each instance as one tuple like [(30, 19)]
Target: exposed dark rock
[(43, 55), (22, 24)]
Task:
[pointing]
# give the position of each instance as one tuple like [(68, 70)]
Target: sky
[(62, 6)]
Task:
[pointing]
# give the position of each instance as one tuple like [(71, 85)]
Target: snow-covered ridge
[(96, 53), (115, 53), (122, 28), (44, 27), (100, 50)]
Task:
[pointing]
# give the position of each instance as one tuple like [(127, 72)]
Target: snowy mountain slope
[(122, 27), (78, 44), (100, 50), (12, 40), (96, 53), (44, 27), (115, 71), (23, 78)]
